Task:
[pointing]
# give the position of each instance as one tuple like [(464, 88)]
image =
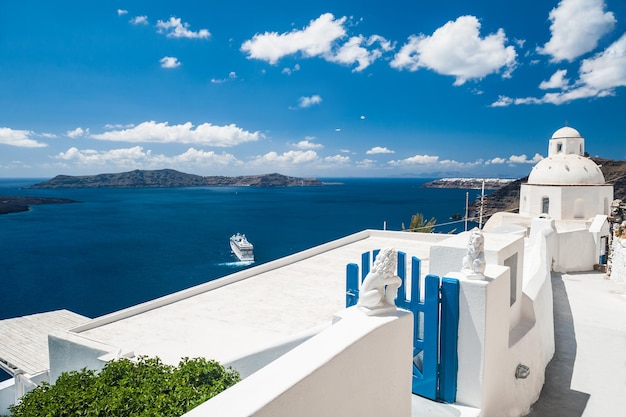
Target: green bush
[(146, 387)]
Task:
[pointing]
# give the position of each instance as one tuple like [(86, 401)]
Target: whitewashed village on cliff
[(525, 316)]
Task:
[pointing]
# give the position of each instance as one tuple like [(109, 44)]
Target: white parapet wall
[(505, 342), (7, 395), (358, 367)]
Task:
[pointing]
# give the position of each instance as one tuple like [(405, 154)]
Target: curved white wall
[(358, 367)]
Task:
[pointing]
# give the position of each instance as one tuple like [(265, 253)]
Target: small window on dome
[(545, 205), (559, 147)]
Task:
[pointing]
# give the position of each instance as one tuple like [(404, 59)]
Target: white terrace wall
[(496, 336), (7, 395), (358, 367), (577, 251), (13, 389), (72, 352)]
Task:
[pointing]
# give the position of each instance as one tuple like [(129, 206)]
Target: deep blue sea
[(119, 247)]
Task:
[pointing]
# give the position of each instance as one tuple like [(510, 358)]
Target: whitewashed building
[(568, 187)]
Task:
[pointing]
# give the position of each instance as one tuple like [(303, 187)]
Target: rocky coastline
[(167, 178), (468, 183), (16, 204)]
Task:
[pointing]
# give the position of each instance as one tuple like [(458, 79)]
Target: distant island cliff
[(468, 183), (16, 204), (165, 178)]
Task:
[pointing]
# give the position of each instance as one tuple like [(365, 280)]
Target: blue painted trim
[(352, 284), (449, 359), (365, 265), (428, 345)]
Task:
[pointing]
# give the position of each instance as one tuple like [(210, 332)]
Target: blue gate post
[(401, 301), (449, 338), (425, 382), (352, 285)]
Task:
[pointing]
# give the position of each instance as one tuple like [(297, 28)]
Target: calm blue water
[(120, 247)]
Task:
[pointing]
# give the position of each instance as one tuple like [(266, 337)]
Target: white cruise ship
[(241, 247)]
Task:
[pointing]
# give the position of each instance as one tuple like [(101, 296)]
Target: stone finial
[(474, 260), (380, 287)]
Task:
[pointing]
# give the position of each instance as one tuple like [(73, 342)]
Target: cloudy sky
[(324, 88)]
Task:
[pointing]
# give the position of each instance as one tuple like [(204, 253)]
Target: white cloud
[(314, 40), (319, 39), (304, 102), (204, 134), (121, 12), (577, 26), (19, 138), (503, 101), (92, 157), (598, 77), (286, 158), (308, 144), (197, 158), (416, 160), (174, 28), (118, 126), (366, 163), (523, 159), (136, 157), (353, 51), (378, 150), (607, 69), (290, 71), (557, 80), (139, 20), (497, 161), (337, 159), (457, 49), (169, 62), (78, 132), (231, 76)]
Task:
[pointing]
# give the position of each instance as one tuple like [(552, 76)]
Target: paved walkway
[(587, 376)]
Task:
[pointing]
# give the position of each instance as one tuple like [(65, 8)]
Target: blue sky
[(323, 89)]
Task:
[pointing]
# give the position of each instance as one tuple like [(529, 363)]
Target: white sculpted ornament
[(380, 287), (474, 260)]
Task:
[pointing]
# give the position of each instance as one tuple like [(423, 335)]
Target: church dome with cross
[(566, 184), (566, 163)]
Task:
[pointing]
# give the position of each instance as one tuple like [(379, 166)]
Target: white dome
[(566, 132), (564, 169)]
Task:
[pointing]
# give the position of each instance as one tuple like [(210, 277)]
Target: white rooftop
[(24, 340), (247, 311)]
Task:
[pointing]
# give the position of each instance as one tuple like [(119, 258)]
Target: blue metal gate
[(435, 329)]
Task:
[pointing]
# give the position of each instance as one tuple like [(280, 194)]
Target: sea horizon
[(118, 247)]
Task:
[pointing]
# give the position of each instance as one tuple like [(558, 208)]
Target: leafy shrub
[(124, 388)]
